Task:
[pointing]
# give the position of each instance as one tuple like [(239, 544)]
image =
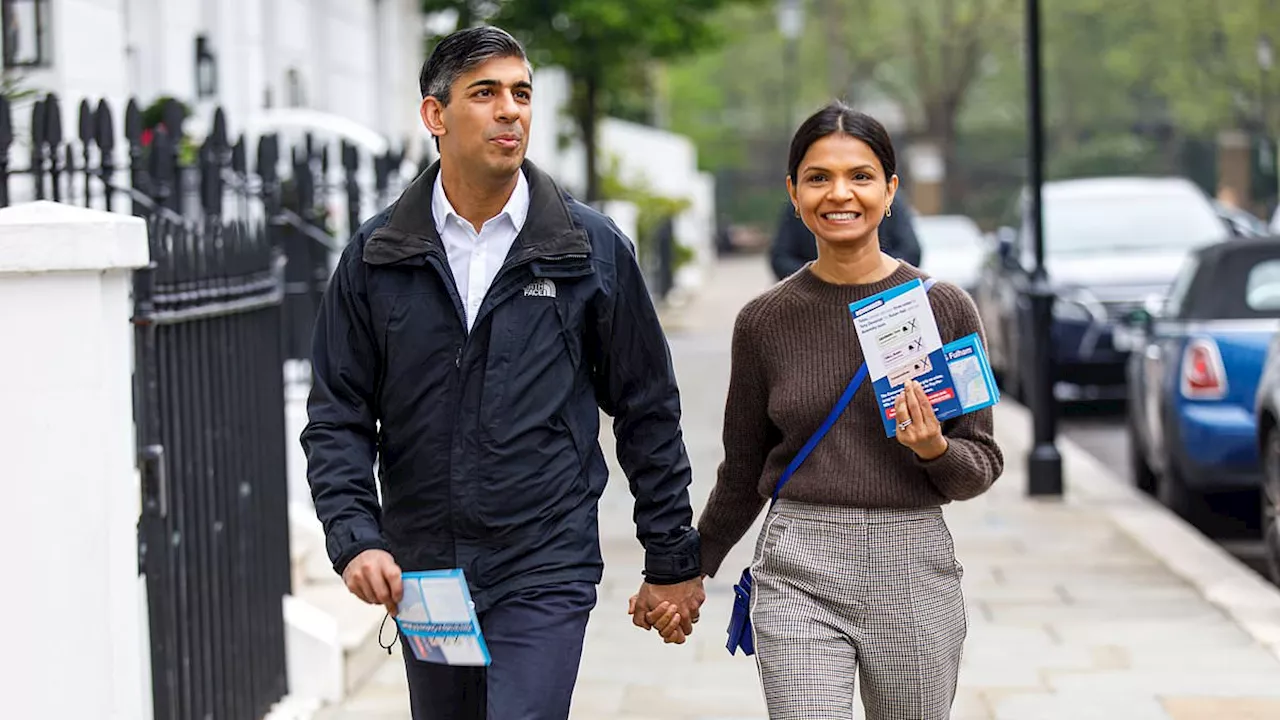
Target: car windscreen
[(1100, 223), (1244, 284)]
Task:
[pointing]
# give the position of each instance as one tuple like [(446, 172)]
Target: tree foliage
[(600, 43), (1136, 87)]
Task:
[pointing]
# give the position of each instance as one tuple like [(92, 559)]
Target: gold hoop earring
[(889, 211)]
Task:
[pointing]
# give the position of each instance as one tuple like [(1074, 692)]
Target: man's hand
[(673, 609), (374, 577)]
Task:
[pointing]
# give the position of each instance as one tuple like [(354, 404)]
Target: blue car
[(1194, 371)]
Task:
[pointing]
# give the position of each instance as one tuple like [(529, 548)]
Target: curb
[(1228, 584)]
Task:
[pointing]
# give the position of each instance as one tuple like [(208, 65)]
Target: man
[(794, 245), (469, 337)]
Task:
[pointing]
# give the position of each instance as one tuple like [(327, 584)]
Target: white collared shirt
[(476, 258)]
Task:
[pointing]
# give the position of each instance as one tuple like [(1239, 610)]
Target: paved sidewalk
[(1100, 606)]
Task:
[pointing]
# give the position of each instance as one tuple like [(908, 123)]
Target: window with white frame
[(26, 33)]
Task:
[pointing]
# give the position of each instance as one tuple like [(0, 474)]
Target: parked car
[(1194, 375), (1268, 414), (952, 248), (1111, 244)]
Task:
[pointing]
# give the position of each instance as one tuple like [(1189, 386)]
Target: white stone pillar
[(73, 604)]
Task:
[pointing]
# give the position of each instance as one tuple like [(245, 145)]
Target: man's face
[(486, 124)]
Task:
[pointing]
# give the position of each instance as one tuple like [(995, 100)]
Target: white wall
[(551, 94), (358, 59), (74, 634), (667, 164), (87, 49)]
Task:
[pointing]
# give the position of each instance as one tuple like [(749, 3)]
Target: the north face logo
[(540, 288)]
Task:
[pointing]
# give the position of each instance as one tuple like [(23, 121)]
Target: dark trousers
[(535, 645)]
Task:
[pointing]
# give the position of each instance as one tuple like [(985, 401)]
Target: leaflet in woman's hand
[(439, 620), (900, 341)]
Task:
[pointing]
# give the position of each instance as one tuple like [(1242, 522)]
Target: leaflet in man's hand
[(439, 620), (900, 341)]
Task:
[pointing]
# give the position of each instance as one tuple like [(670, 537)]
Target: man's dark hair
[(840, 118), (461, 51)]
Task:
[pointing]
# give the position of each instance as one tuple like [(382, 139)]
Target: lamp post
[(1266, 58), (790, 25), (1044, 463)]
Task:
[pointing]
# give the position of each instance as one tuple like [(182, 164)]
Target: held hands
[(672, 609), (374, 577), (918, 427)]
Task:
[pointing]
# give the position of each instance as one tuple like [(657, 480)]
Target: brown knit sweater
[(794, 351)]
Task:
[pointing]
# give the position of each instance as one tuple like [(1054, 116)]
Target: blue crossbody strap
[(834, 415)]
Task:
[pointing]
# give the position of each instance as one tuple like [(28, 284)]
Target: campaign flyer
[(971, 374), (439, 620), (900, 341)]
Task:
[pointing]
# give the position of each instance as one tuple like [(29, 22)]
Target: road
[(1233, 520)]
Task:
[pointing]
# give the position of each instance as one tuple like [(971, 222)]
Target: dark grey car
[(1268, 412)]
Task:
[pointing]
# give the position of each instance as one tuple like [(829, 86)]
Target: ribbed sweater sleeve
[(736, 500)]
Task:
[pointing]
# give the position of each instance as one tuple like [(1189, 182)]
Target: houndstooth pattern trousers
[(843, 590)]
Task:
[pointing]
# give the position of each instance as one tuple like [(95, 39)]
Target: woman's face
[(840, 190)]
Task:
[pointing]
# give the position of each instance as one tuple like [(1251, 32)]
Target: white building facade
[(355, 59)]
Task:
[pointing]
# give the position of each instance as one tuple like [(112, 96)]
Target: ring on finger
[(904, 424)]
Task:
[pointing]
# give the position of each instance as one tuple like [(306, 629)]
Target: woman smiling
[(855, 570)]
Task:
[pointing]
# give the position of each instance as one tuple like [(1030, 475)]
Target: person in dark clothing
[(467, 341), (794, 245)]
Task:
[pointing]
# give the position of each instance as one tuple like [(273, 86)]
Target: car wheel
[(1173, 493), (1271, 502), (1141, 472)]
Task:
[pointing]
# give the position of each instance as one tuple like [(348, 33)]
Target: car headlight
[(1078, 305)]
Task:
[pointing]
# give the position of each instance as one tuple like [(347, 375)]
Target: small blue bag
[(740, 632)]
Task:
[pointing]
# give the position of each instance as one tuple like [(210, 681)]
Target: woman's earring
[(795, 210), (889, 211)]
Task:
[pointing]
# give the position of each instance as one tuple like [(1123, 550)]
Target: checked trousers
[(844, 591)]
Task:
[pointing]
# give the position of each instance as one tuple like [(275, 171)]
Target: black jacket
[(794, 245), (487, 444)]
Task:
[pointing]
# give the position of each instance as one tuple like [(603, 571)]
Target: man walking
[(468, 339)]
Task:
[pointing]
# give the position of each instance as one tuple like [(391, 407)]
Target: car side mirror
[(1140, 319)]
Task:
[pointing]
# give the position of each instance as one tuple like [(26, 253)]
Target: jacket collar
[(549, 231)]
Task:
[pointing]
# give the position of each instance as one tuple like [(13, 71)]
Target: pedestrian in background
[(854, 570), (467, 341)]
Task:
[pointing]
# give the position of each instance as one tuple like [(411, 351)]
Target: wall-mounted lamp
[(206, 69)]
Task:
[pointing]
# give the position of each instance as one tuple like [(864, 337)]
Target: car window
[(1262, 289), (1177, 297), (1244, 283), (1085, 224)]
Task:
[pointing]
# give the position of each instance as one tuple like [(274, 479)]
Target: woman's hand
[(918, 427)]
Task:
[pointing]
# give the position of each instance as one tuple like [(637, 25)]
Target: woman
[(854, 568)]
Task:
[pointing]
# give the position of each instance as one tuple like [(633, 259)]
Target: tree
[(939, 51), (598, 42)]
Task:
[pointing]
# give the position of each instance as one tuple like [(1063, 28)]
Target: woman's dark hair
[(840, 118)]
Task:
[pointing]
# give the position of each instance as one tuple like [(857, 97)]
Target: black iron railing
[(239, 259)]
